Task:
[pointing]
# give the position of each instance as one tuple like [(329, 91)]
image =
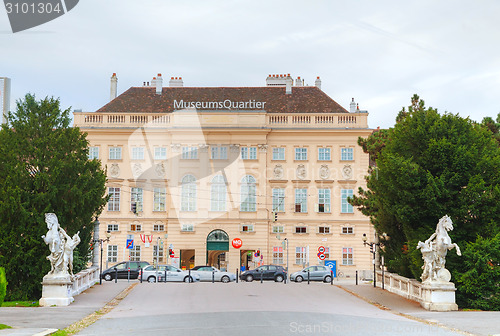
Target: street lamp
[(373, 249), (100, 241)]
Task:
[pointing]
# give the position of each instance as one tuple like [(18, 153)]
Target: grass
[(60, 333), (4, 326), (20, 304)]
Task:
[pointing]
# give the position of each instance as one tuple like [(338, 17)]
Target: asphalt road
[(251, 309)]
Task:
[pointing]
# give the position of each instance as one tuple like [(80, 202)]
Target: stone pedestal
[(439, 296), (56, 291)]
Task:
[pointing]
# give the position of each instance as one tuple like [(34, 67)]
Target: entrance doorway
[(217, 246), (187, 259)]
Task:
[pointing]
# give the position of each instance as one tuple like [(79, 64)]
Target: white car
[(205, 274), (170, 273)]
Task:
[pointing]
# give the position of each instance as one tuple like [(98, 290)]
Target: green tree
[(493, 126), (44, 168), (432, 165)]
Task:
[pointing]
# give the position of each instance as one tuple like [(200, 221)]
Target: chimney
[(317, 83), (176, 82), (299, 82), (159, 84), (114, 87), (353, 106), (288, 83)]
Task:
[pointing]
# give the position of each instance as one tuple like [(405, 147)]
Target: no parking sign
[(332, 264)]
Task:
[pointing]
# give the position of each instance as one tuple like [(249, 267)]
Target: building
[(4, 99), (193, 171)]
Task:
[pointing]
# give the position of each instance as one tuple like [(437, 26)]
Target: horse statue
[(434, 251)]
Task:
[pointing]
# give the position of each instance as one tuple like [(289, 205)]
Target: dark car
[(122, 270), (268, 272)]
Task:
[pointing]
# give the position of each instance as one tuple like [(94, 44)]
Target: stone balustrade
[(84, 280), (394, 283)]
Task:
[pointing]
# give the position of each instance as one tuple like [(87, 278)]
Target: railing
[(84, 280), (408, 288)]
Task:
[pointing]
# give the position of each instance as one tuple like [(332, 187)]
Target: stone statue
[(434, 252), (61, 248)]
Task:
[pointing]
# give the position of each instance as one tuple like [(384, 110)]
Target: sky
[(378, 52)]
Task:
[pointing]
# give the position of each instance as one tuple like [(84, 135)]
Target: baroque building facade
[(192, 170)]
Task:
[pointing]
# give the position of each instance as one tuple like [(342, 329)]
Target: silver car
[(316, 273), (150, 273), (205, 273)]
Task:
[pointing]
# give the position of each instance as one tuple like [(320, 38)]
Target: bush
[(3, 285), (479, 285)]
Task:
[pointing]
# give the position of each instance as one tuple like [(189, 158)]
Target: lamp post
[(373, 247), (100, 241)]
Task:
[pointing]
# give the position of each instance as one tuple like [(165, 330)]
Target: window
[(157, 253), (249, 153), (218, 194), (277, 255), (300, 255), (115, 153), (324, 154), (93, 153), (189, 153), (300, 154), (327, 253), (112, 253), (114, 199), (247, 228), (301, 229), (324, 229), (324, 200), (347, 230), (347, 154), (137, 153), (218, 153), (188, 193), (135, 227), (112, 227), (135, 253), (300, 200), (158, 227), (279, 153), (159, 199), (136, 197), (278, 200), (345, 206), (347, 256), (248, 196), (160, 153), (278, 229), (187, 227)]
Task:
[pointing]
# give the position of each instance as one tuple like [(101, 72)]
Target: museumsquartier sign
[(215, 105)]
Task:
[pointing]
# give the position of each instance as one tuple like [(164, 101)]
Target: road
[(251, 309)]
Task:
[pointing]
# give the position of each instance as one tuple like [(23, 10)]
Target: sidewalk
[(472, 322), (43, 320)]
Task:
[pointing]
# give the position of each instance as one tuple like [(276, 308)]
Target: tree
[(432, 165), (44, 168), (493, 126)]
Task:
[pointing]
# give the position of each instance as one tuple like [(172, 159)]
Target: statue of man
[(69, 246), (55, 242)]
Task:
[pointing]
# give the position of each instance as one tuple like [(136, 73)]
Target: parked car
[(205, 273), (316, 273), (150, 273), (268, 272), (122, 269)]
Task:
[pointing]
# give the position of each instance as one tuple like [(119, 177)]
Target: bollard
[(237, 276), (165, 275), (356, 277), (261, 274), (308, 277), (331, 280), (140, 274), (116, 275), (189, 272), (128, 274), (213, 276)]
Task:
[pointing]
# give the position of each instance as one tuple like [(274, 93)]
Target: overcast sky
[(379, 52)]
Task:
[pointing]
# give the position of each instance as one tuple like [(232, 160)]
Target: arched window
[(218, 194), (188, 197), (248, 197)]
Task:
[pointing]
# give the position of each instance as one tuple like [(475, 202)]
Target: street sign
[(130, 244), (321, 256), (332, 264), (321, 249), (237, 243)]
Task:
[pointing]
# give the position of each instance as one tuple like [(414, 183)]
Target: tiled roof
[(305, 99)]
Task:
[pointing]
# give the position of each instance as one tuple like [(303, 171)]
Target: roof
[(305, 99)]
